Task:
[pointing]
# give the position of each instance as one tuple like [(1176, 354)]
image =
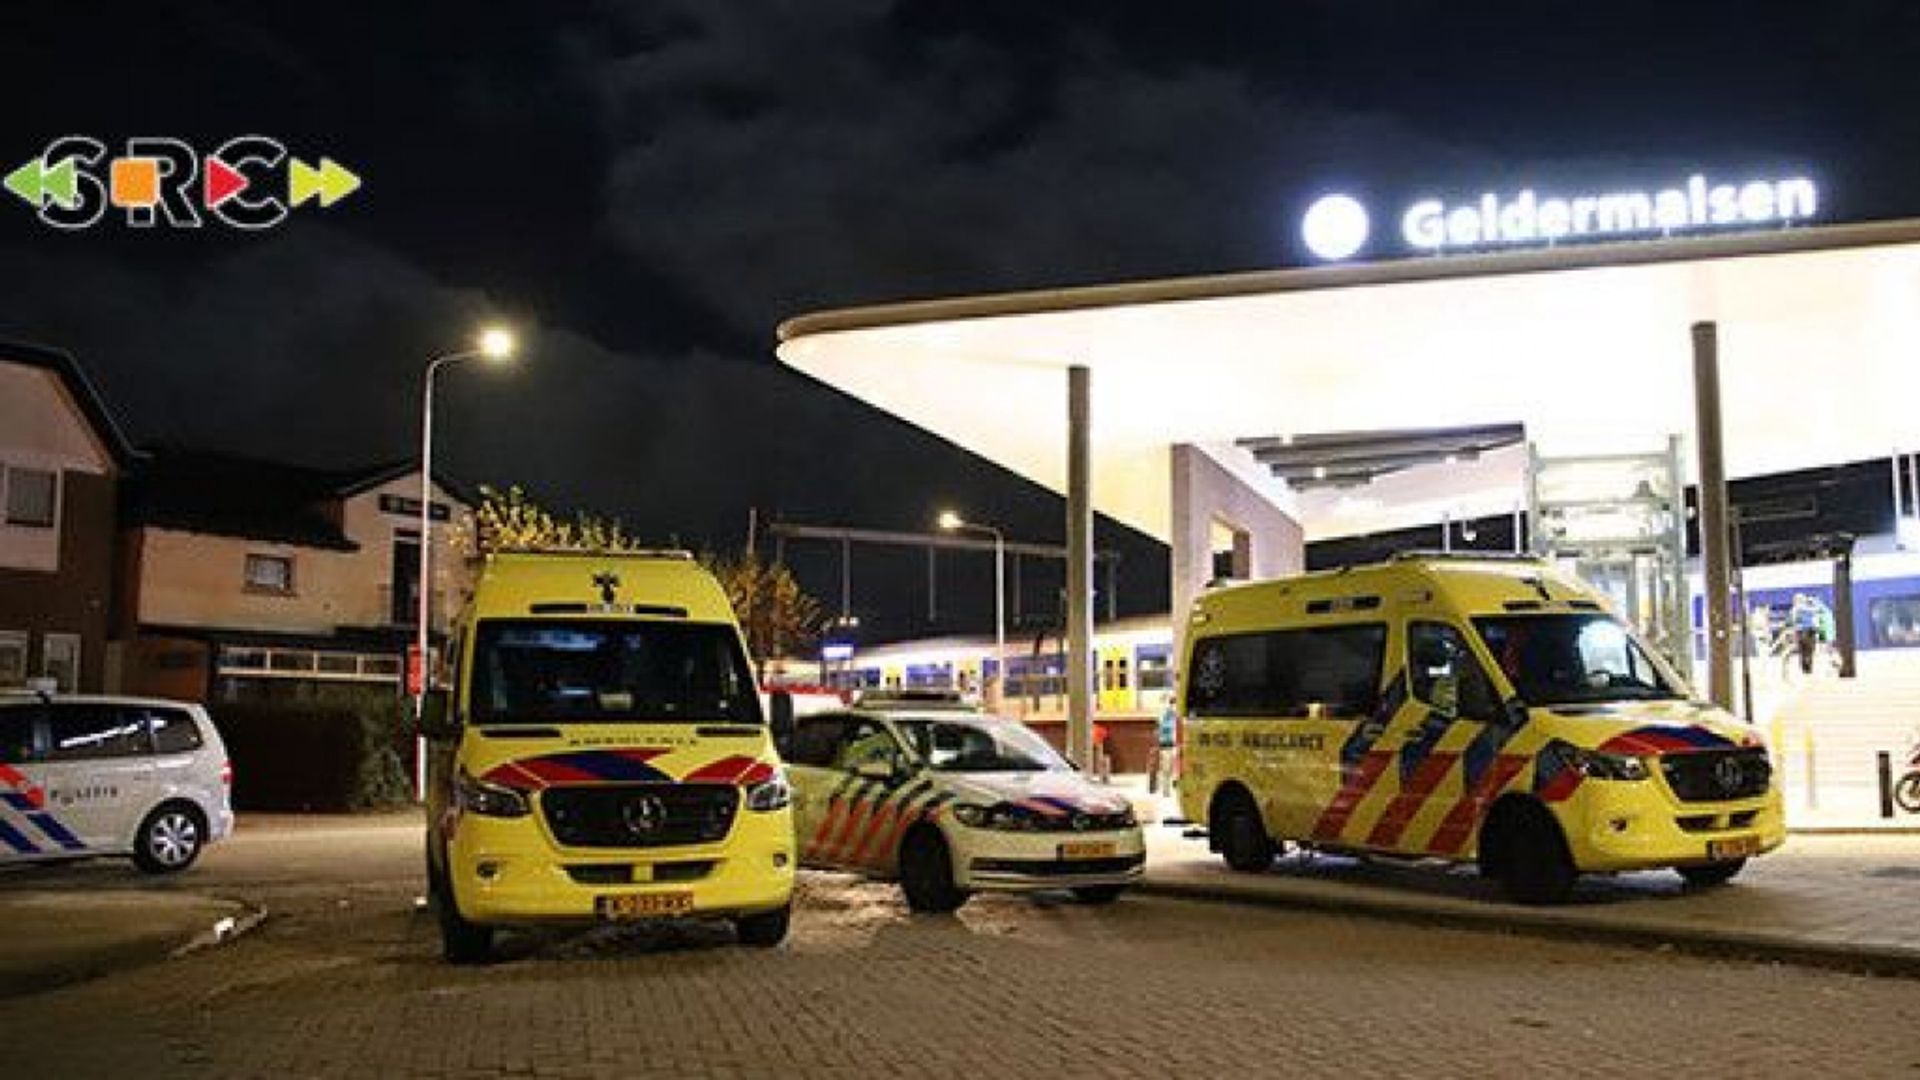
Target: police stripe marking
[(17, 840), (55, 831), (816, 849), (859, 806), (893, 810)]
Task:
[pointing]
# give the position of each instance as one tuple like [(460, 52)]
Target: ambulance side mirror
[(780, 721), (436, 716)]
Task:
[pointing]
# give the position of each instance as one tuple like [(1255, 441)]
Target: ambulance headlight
[(773, 793), (970, 815), (1600, 765), (476, 796)]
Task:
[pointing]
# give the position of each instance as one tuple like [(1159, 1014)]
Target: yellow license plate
[(644, 905), (1738, 848), (1086, 849)]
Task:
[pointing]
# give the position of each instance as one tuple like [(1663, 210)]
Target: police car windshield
[(1573, 659), (953, 745), (610, 672)]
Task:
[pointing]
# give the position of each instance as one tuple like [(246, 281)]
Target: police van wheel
[(1098, 894), (926, 875), (1710, 874), (461, 942), (169, 839), (765, 930), (1530, 857), (1244, 842)]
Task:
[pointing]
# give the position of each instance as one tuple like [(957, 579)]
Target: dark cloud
[(655, 184)]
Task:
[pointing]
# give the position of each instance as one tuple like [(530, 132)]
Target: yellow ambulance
[(1460, 708), (601, 754)]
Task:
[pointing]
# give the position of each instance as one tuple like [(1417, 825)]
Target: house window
[(269, 573), (13, 658), (60, 661), (31, 497)]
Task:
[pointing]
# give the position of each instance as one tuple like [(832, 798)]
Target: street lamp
[(496, 344), (951, 521)]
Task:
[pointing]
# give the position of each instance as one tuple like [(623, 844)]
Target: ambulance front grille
[(1717, 775), (639, 815)]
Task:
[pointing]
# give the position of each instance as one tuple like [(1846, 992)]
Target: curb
[(224, 931), (135, 955), (1725, 944)]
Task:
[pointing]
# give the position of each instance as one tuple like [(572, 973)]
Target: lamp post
[(953, 522), (496, 344)]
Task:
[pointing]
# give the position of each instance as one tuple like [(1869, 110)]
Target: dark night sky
[(653, 186)]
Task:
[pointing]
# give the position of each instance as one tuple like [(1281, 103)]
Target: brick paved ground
[(344, 981), (1821, 896)]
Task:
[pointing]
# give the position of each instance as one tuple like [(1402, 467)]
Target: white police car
[(83, 776), (948, 801)]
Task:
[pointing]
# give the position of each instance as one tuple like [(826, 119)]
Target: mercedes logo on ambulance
[(1729, 774), (643, 816)]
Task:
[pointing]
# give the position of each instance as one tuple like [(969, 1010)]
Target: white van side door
[(27, 831), (99, 772)]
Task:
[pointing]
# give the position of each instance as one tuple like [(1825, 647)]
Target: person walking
[(1160, 773)]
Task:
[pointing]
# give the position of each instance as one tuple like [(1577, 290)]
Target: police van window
[(81, 731), (174, 731), (1284, 673), (17, 743), (1444, 673), (815, 738)]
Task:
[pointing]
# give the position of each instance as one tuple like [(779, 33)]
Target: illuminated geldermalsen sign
[(1335, 226)]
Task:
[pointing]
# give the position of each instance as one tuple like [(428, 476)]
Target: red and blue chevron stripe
[(1665, 740), (628, 766), (31, 800), (582, 767)]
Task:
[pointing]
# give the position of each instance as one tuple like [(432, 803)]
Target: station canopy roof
[(1586, 348)]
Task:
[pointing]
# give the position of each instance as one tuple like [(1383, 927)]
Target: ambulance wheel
[(926, 874), (1244, 842), (1708, 875), (461, 942), (1525, 850), (1098, 894), (765, 930), (169, 839)]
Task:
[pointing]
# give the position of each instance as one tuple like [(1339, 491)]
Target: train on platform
[(1134, 662)]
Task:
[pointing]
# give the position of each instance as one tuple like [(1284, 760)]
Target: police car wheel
[(926, 874), (764, 930), (1098, 894), (1534, 865), (1244, 842), (1711, 874), (169, 839)]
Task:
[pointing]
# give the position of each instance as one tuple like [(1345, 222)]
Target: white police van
[(84, 775)]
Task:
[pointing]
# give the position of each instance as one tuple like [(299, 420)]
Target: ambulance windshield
[(949, 745), (1573, 659), (610, 672)]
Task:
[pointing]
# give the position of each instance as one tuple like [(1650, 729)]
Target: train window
[(1895, 621)]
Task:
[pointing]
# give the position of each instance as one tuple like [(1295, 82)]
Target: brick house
[(61, 457), (244, 579)]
